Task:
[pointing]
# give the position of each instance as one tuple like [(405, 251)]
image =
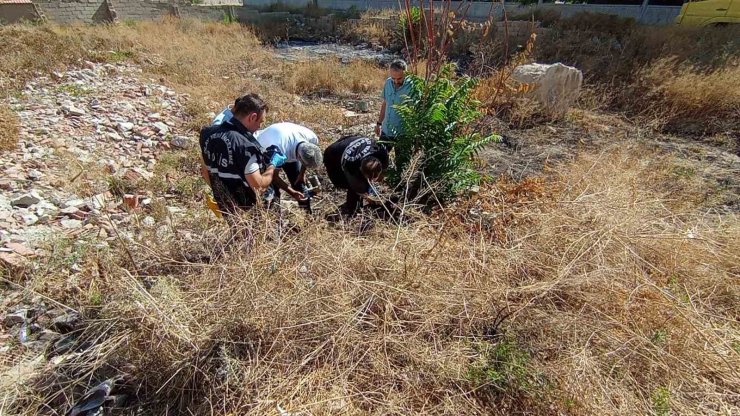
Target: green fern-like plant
[(436, 119)]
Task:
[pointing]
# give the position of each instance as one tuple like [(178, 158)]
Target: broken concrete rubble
[(26, 200)]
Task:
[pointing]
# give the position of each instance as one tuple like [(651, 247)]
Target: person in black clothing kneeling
[(234, 164), (352, 163)]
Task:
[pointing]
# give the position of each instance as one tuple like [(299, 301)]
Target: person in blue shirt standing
[(395, 89)]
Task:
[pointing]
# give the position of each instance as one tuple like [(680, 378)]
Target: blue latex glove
[(278, 159), (225, 115)]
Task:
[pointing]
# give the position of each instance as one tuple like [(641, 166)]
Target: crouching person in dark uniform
[(235, 166), (352, 163)]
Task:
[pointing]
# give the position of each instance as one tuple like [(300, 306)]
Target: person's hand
[(371, 194), (278, 159), (297, 195), (377, 130)]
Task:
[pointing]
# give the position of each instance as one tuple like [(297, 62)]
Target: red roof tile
[(15, 1)]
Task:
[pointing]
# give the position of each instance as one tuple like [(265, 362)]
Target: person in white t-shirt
[(300, 146)]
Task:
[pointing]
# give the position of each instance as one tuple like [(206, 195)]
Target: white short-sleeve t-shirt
[(286, 136)]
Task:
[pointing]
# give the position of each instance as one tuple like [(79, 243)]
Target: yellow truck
[(709, 12)]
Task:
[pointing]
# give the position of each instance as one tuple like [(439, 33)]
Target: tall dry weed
[(689, 99)]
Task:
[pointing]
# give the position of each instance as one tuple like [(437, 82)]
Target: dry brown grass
[(614, 296), (9, 128), (618, 291), (373, 26), (331, 77), (677, 77), (690, 99)]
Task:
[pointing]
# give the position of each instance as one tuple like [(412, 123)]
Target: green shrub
[(436, 120), (662, 401), (403, 35), (504, 368)]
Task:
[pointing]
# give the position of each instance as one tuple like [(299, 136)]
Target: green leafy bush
[(436, 119), (403, 35), (505, 368)]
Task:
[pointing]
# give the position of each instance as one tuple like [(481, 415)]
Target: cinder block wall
[(98, 11), (141, 9), (75, 11), (15, 12)]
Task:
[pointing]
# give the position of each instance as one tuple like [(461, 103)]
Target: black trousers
[(229, 202), (389, 142), (337, 176)]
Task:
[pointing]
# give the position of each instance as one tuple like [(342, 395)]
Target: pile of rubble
[(99, 117)]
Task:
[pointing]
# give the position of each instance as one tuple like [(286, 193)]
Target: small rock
[(71, 224), (15, 318), (74, 203), (65, 323), (99, 201), (34, 175), (44, 208), (113, 136), (6, 185), (125, 127), (30, 219), (20, 249), (148, 221), (12, 259), (70, 211), (181, 142), (25, 200), (73, 111), (47, 335), (131, 201), (161, 127)]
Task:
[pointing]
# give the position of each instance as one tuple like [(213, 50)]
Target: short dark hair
[(371, 168), (399, 64), (248, 104)]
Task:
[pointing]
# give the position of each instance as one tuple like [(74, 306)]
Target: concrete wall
[(12, 13), (98, 11), (141, 10), (74, 11), (480, 10), (94, 11)]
